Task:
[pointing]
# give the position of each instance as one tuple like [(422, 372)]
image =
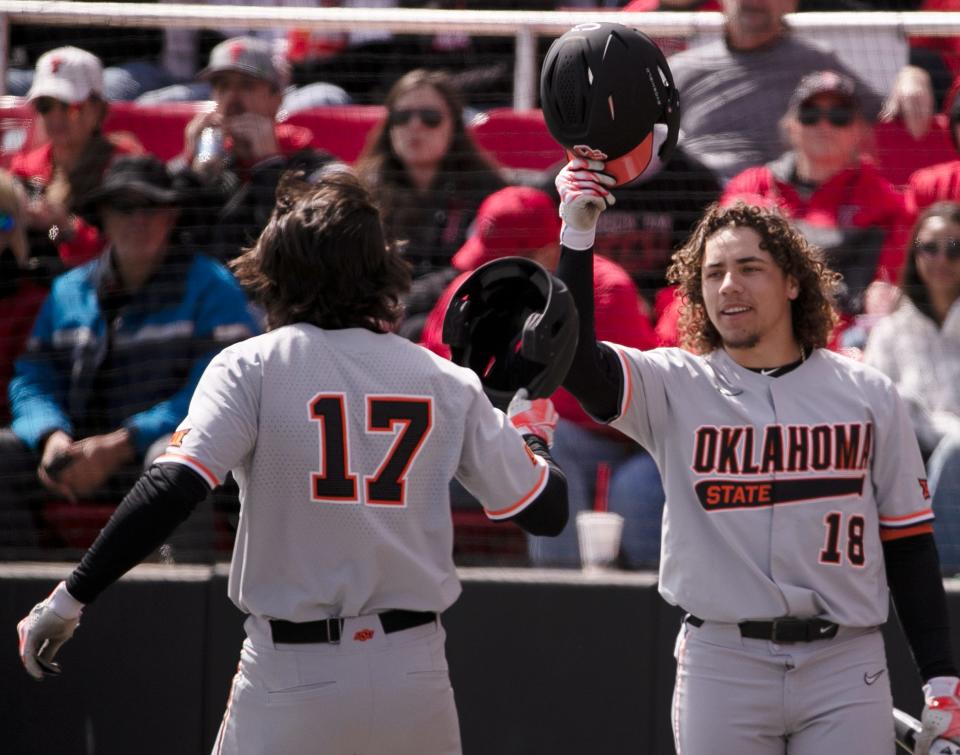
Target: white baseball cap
[(68, 74)]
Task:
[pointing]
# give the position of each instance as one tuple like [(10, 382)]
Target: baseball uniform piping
[(189, 461), (523, 502)]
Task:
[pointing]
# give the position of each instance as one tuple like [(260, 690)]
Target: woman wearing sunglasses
[(67, 97), (425, 170), (839, 200), (918, 346)]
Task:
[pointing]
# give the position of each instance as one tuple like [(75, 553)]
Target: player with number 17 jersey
[(317, 446)]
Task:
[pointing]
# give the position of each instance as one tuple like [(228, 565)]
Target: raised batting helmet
[(515, 325), (602, 89)]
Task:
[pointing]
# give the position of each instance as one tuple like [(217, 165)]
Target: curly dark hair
[(322, 258), (812, 312), (910, 282)]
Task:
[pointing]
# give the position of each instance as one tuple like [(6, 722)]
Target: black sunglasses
[(838, 115), (950, 248), (44, 105), (131, 208), (428, 116)]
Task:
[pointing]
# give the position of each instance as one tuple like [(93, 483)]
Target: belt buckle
[(776, 624)]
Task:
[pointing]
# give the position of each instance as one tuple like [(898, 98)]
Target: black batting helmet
[(602, 88), (515, 325)]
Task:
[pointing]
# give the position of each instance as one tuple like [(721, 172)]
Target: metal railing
[(523, 26)]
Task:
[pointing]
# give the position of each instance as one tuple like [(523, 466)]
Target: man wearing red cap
[(522, 221)]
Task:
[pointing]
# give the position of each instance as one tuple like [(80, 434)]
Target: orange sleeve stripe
[(914, 515), (193, 463), (920, 529), (627, 382), (523, 501)]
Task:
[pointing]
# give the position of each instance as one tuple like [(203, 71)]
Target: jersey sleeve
[(899, 478), (220, 429), (496, 465), (643, 404)]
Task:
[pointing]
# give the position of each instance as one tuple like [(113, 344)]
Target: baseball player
[(343, 438), (795, 493)]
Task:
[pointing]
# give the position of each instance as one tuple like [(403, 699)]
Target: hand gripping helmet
[(602, 89), (515, 325)]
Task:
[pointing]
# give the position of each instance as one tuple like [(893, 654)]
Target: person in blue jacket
[(115, 354)]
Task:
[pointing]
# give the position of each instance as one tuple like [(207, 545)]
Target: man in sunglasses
[(115, 353), (730, 121), (239, 149), (839, 200)]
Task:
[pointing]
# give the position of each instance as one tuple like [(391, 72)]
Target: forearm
[(913, 573), (595, 377), (547, 514), (162, 498)]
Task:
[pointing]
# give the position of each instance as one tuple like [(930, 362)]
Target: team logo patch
[(924, 489), (55, 64), (582, 150), (362, 635), (236, 50), (176, 439)]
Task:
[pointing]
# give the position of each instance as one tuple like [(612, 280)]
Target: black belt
[(782, 630), (328, 630)]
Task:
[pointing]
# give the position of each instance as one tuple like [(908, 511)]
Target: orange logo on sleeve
[(924, 488), (176, 439), (362, 635)]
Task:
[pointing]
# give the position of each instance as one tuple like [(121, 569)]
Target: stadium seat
[(516, 138)]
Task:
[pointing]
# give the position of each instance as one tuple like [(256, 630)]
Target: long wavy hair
[(911, 284), (380, 167), (322, 259), (812, 312)]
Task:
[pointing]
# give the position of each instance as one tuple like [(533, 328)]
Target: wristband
[(63, 603), (572, 238)]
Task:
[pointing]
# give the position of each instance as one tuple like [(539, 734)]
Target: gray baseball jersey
[(343, 444), (779, 491)]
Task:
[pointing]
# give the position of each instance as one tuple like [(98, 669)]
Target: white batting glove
[(538, 417), (45, 629), (584, 194), (941, 716)]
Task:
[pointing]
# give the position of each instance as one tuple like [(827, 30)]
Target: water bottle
[(209, 147)]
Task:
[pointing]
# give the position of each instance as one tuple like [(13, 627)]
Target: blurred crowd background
[(136, 163)]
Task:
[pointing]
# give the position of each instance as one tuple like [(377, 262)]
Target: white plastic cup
[(599, 533)]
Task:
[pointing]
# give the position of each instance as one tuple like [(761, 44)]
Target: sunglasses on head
[(838, 115), (950, 248), (428, 117), (7, 221)]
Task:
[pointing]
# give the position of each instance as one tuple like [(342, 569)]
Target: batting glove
[(45, 629), (538, 417), (941, 716), (584, 194)]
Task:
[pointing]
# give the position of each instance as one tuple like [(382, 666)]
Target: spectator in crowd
[(67, 95), (114, 355), (653, 215), (918, 346), (21, 291), (524, 221), (425, 170), (839, 200), (239, 149), (736, 89), (941, 182)]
